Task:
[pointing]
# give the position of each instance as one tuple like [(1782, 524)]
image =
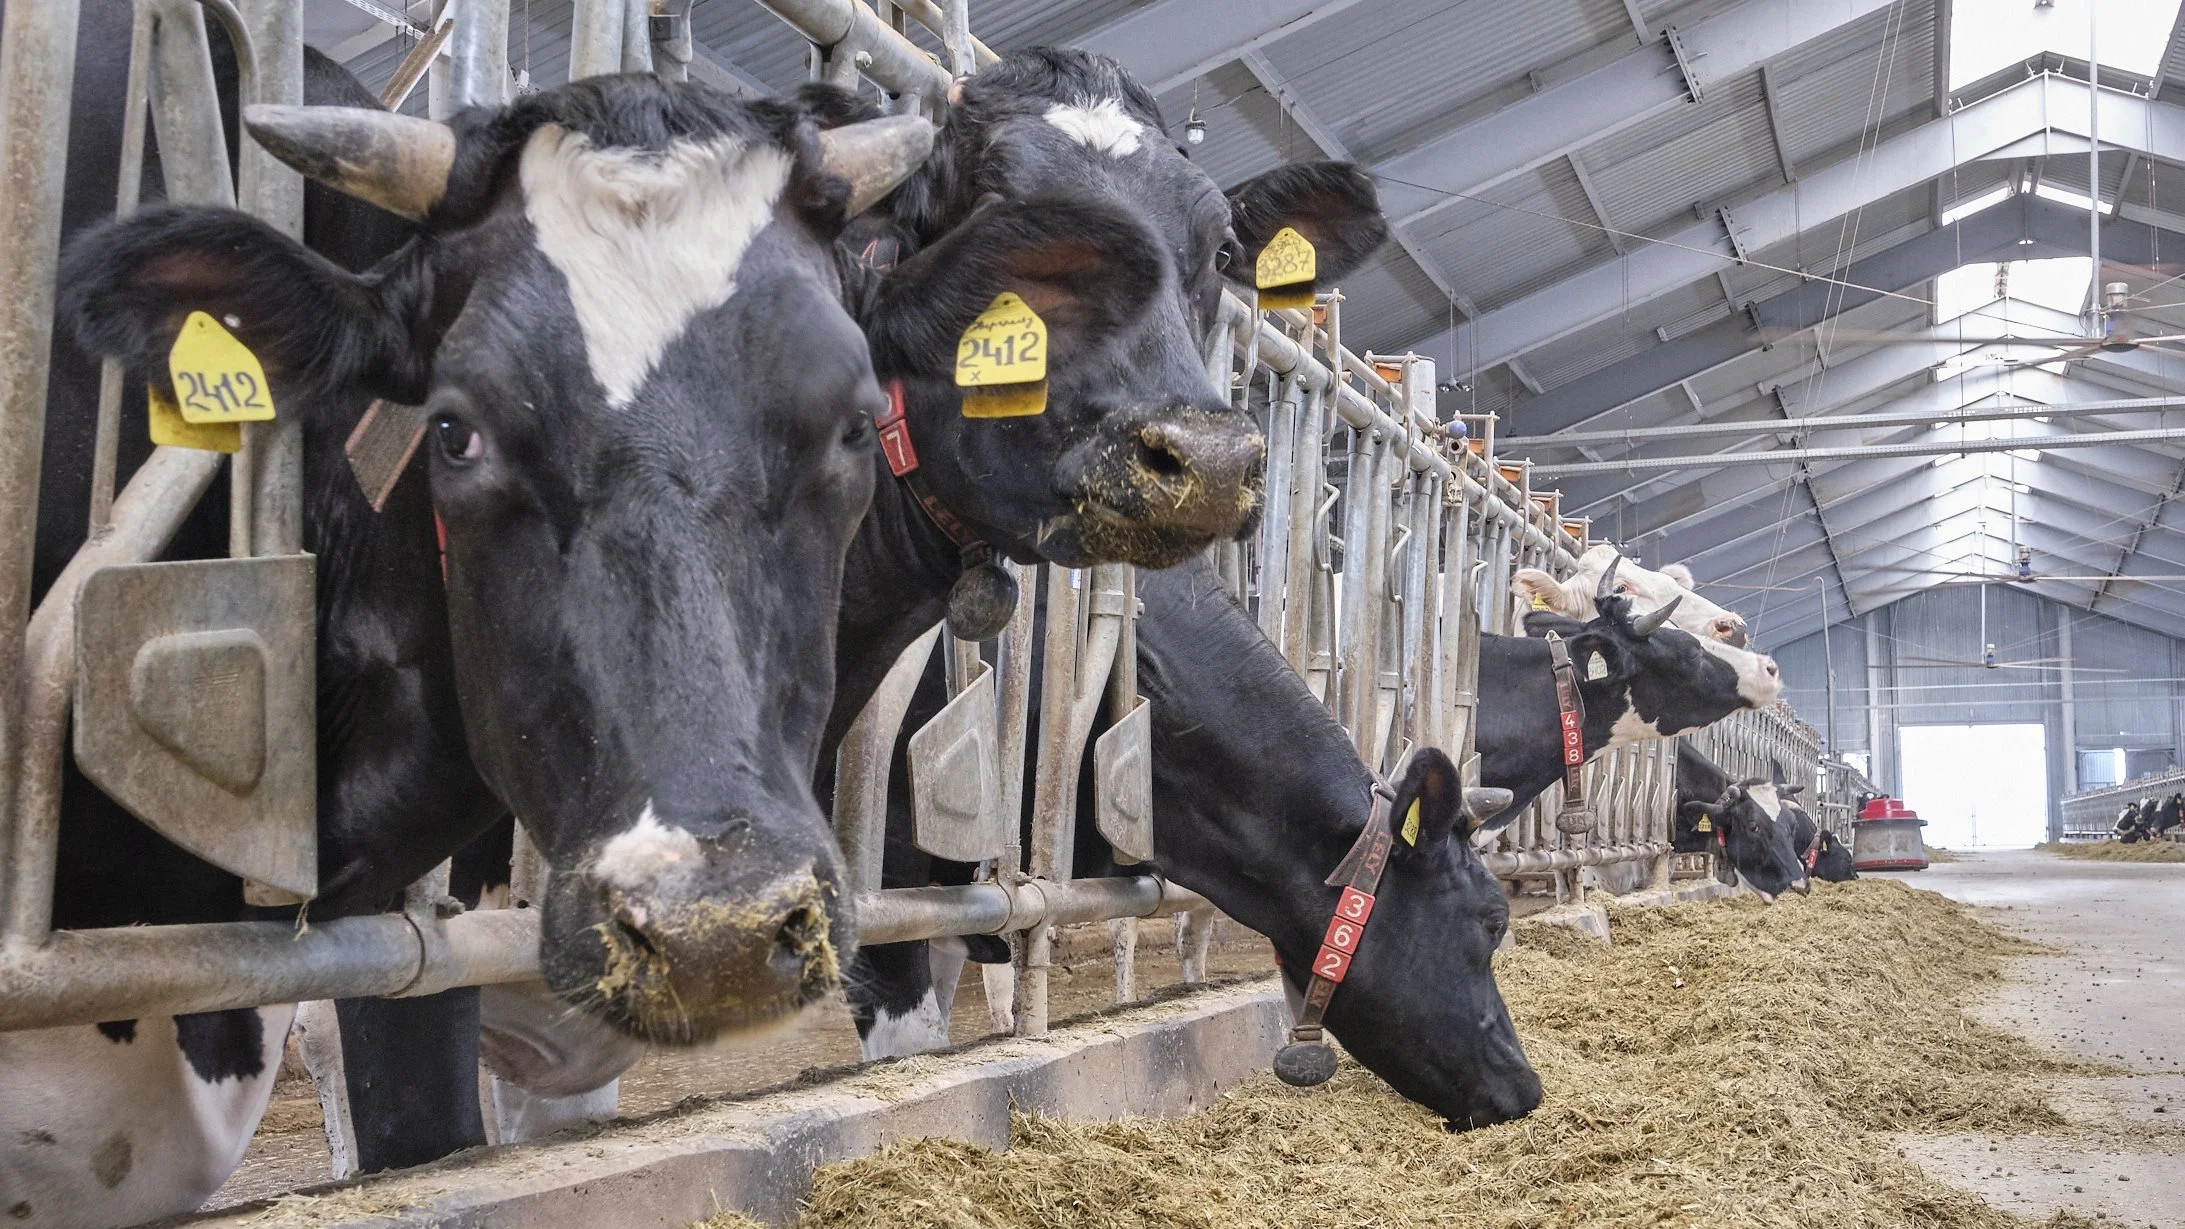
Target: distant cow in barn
[(579, 674), (1824, 857), (2134, 822), (2168, 815), (1739, 820)]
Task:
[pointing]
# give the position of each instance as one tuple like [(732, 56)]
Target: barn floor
[(2115, 994)]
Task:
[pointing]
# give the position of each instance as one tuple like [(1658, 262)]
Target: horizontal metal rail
[(1635, 437), (1786, 456)]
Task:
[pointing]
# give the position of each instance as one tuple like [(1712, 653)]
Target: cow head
[(1419, 1006), (1746, 822), (1138, 456), (1647, 589), (650, 424), (1830, 858), (1650, 680)]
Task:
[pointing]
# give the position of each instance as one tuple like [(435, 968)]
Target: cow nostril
[(802, 938), (1157, 455), (630, 924)]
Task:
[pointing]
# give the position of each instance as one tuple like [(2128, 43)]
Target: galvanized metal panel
[(1123, 784), (1652, 174), (1517, 235), (194, 708), (955, 788)]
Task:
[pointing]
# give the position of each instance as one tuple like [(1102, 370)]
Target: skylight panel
[(1986, 35)]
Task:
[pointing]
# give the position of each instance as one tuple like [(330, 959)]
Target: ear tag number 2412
[(1001, 361), (216, 378)]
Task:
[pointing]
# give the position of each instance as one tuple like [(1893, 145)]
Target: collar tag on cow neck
[(1596, 667), (1001, 361), (1411, 824), (171, 430), (216, 378), (1285, 271)]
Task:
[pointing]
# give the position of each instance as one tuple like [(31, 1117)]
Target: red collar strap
[(1813, 849), (1571, 724), (903, 463), (1307, 1060)]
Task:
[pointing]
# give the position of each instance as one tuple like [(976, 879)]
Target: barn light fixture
[(1195, 130)]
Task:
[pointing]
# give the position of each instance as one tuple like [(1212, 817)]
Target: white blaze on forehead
[(1764, 794), (647, 239), (646, 852), (1101, 125)]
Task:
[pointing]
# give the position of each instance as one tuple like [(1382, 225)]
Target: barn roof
[(1611, 213)]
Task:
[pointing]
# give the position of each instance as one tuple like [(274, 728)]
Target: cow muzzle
[(680, 955), (1730, 630), (1153, 489)]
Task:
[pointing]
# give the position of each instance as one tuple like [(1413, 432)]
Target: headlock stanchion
[(2092, 814), (1385, 552)]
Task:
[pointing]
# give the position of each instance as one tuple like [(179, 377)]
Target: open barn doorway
[(1977, 785)]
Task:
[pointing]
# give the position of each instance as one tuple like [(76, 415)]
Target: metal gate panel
[(955, 785), (1123, 784), (195, 703)]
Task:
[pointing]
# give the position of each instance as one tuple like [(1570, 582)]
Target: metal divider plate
[(195, 703), (1123, 784), (955, 788)]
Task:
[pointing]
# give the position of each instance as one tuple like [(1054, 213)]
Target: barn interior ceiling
[(1618, 215)]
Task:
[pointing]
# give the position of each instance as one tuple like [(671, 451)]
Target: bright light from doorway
[(1986, 35), (1977, 785)]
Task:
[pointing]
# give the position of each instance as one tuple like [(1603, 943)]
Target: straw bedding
[(2118, 851), (1722, 1064)]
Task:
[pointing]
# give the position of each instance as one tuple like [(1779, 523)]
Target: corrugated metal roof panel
[(1390, 74), (1651, 174), (1515, 237), (1388, 301)]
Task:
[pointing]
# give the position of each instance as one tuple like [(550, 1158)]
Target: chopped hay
[(1938, 855), (2117, 851), (1761, 1093), (729, 1220)]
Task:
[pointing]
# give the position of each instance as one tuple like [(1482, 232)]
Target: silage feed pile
[(2118, 851), (1723, 1064)]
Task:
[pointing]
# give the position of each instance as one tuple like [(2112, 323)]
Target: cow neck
[(1519, 747), (1570, 709), (1359, 877)]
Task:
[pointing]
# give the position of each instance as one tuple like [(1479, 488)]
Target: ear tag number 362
[(1001, 361), (1285, 271), (216, 378)]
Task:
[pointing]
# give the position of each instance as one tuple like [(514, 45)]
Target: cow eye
[(1497, 926), (458, 443), (858, 429)]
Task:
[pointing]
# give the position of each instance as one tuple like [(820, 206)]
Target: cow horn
[(396, 162), (1651, 622), (1607, 588), (875, 155)]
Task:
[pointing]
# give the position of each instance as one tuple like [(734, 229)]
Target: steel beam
[(1590, 104), (1169, 42), (2037, 108)]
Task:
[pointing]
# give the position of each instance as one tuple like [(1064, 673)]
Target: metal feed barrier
[(2092, 816), (1387, 549)]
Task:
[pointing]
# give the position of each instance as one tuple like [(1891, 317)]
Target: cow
[(1533, 589), (1257, 794), (573, 432), (1638, 678), (1823, 855), (2166, 816), (2134, 822), (1739, 820)]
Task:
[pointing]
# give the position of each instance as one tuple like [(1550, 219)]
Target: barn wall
[(2135, 708)]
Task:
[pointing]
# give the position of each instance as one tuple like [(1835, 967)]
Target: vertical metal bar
[(479, 47), (274, 193), (956, 35), (136, 116), (1351, 604), (673, 47), (37, 73), (1053, 809), (1308, 475), (1274, 552), (636, 36), (595, 38)]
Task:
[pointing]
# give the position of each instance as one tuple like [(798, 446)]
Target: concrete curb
[(756, 1156)]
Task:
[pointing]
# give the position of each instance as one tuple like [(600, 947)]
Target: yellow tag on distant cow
[(1706, 824), (1285, 271), (170, 429), (216, 378), (1411, 824), (1007, 344)]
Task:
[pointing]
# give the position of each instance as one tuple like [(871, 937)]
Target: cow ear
[(1789, 791), (127, 287), (1332, 204), (1538, 623), (1679, 573), (1429, 800), (1087, 269), (1545, 592)]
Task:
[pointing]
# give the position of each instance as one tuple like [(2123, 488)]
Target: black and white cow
[(2134, 821), (608, 449), (1640, 679), (1741, 821), (1817, 849)]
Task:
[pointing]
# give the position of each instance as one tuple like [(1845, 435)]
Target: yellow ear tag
[(1285, 271), (1539, 602), (170, 429), (1411, 824), (216, 378), (1706, 824), (1001, 361)]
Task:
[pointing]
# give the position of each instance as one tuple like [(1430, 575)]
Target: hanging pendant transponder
[(1305, 1064)]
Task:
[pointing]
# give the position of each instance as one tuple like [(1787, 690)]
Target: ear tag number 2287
[(216, 378), (1001, 361), (1285, 271)]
